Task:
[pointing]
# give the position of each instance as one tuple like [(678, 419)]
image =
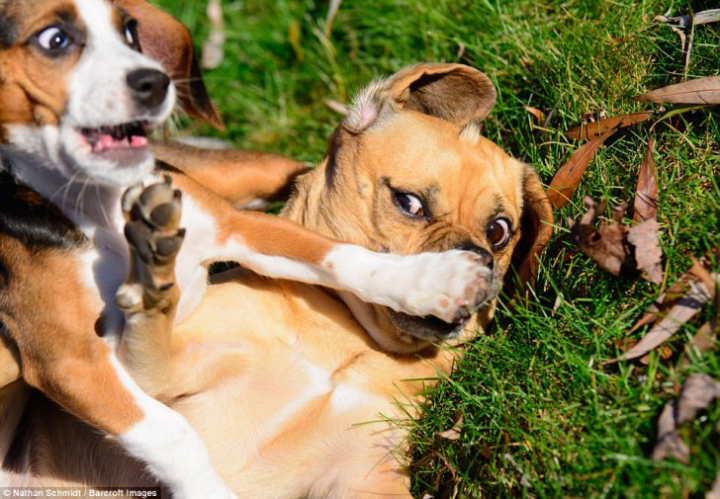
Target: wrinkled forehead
[(21, 19), (420, 150)]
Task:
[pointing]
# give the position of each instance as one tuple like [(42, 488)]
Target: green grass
[(542, 417)]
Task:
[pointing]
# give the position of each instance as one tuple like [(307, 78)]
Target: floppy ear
[(165, 39), (535, 231), (453, 92)]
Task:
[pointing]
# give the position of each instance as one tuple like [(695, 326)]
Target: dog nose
[(485, 257), (149, 87)]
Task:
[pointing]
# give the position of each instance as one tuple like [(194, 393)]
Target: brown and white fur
[(291, 386), (69, 69)]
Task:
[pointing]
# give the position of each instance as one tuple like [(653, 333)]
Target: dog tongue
[(106, 142)]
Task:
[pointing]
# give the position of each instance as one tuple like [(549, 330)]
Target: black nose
[(485, 257), (149, 87)]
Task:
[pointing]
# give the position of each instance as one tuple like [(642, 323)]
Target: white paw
[(449, 285)]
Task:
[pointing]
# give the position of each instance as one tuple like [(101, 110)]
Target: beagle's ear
[(535, 232), (166, 40), (453, 92)]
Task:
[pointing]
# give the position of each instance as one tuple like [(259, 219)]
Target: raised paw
[(152, 230), (449, 285)]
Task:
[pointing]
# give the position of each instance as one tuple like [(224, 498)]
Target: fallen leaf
[(703, 17), (673, 294), (648, 255), (714, 493), (696, 394), (646, 193), (698, 91), (669, 442), (625, 344), (684, 310), (568, 177), (607, 244), (539, 115), (617, 248), (454, 432), (587, 131)]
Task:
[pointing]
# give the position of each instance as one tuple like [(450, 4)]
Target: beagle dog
[(299, 390), (79, 93)]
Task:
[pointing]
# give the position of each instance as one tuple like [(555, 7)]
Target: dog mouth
[(127, 136), (429, 327)]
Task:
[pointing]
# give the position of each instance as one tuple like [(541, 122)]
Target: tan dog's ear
[(166, 40), (453, 92), (535, 231)]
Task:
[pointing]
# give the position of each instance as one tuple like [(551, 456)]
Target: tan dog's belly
[(295, 398), (284, 387)]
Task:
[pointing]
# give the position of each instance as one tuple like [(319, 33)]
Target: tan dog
[(288, 390), (77, 99)]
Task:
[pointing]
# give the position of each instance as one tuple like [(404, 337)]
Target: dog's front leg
[(447, 285), (149, 295)]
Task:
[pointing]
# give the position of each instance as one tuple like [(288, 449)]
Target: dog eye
[(131, 32), (410, 204), (498, 232), (53, 39)]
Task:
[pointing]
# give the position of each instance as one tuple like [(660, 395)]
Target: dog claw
[(153, 216)]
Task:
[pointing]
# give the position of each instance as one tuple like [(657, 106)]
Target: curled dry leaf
[(454, 432), (617, 248), (697, 393), (669, 442), (568, 177), (714, 493), (670, 297), (539, 115), (703, 17), (588, 131), (685, 298), (648, 255), (678, 315), (646, 194), (607, 244), (704, 91)]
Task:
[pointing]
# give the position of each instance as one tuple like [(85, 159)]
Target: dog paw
[(449, 285), (153, 234)]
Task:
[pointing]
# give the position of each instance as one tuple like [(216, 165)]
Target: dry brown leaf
[(684, 310), (669, 442), (673, 294), (539, 115), (607, 244), (617, 248), (587, 131), (703, 17), (698, 91), (648, 255), (697, 393), (625, 344), (454, 432), (568, 177), (646, 194), (714, 493)]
